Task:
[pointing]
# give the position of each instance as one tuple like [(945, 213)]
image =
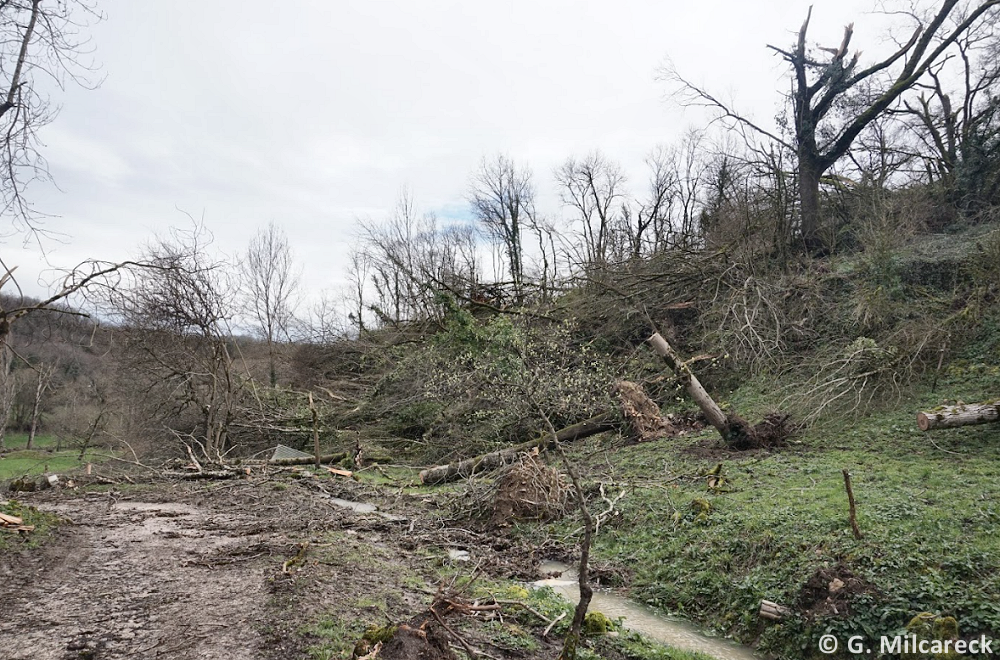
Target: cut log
[(340, 473), (732, 429), (470, 466), (965, 415), (773, 611), (10, 520), (327, 458)]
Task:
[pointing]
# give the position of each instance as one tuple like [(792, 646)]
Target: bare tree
[(39, 40), (43, 373), (503, 198), (269, 283), (956, 117), (88, 274), (358, 268), (409, 259), (173, 318), (594, 188), (819, 136), (652, 227)]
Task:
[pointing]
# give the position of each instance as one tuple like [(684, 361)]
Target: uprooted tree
[(735, 431)]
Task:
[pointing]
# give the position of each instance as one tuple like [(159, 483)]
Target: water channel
[(642, 619)]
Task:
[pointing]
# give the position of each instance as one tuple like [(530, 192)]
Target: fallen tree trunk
[(306, 460), (470, 466), (965, 415), (732, 429), (205, 474)]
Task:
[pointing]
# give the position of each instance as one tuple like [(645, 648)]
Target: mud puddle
[(134, 579)]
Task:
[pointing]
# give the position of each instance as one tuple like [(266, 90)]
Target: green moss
[(945, 627), (701, 506), (375, 634), (595, 623), (920, 625), (930, 627)]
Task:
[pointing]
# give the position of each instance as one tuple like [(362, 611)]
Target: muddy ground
[(237, 569)]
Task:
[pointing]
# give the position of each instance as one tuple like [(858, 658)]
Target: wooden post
[(963, 415), (850, 502), (315, 418)]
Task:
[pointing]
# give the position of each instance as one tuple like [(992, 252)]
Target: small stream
[(642, 619), (635, 616)]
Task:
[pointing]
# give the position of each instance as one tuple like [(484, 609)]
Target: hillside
[(850, 347)]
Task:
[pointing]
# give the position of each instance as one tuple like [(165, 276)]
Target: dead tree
[(175, 340), (821, 81), (594, 188), (503, 199), (44, 375), (732, 429), (40, 42), (269, 283)]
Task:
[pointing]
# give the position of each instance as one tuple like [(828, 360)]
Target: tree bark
[(44, 374), (306, 460), (963, 415), (470, 466), (809, 175), (713, 413)]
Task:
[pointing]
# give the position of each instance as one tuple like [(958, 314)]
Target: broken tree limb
[(470, 466), (306, 460), (731, 428), (773, 611), (206, 474), (962, 415)]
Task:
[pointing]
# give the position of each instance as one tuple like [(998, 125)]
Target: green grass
[(43, 522), (41, 458), (928, 506)]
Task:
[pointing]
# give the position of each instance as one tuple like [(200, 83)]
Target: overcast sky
[(313, 114)]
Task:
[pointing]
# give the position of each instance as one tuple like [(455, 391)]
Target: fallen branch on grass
[(773, 611), (297, 460), (470, 466), (10, 523), (206, 474)]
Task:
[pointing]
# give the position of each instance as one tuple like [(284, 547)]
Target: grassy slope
[(928, 506), (41, 458)]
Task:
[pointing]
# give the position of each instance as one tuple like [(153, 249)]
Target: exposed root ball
[(526, 489), (773, 431), (642, 413), (529, 490)]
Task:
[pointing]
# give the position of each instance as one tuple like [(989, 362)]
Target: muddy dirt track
[(210, 572)]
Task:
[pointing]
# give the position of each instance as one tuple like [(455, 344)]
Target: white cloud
[(315, 113)]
